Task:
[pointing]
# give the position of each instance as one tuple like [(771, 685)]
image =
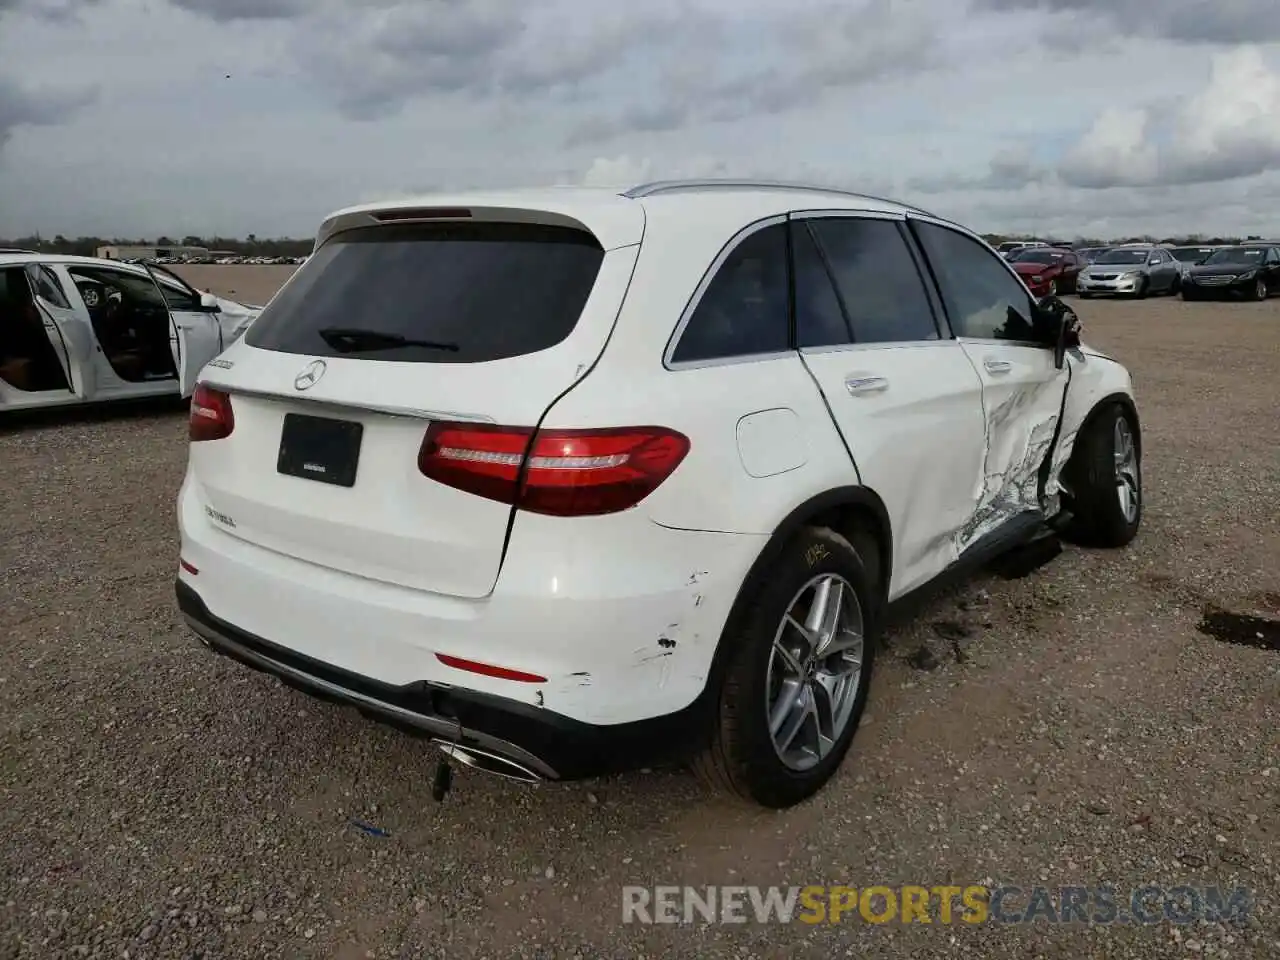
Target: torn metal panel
[(1094, 377), (1022, 400)]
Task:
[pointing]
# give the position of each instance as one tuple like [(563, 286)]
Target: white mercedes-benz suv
[(571, 480)]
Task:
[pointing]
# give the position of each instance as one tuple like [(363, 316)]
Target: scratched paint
[(1011, 472)]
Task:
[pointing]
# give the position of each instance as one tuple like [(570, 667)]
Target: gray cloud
[(225, 11), (824, 50), (1011, 169), (22, 106), (1183, 21), (372, 66), (1229, 131), (56, 10)]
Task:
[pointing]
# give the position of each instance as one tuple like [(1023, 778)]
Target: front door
[(1022, 390), (1166, 273), (904, 396), (69, 332), (195, 336)]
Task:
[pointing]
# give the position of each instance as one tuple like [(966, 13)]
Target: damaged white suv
[(572, 480)]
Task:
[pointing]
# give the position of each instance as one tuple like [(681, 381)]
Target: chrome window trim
[(881, 345)]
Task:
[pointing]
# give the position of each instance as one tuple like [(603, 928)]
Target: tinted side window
[(179, 299), (877, 280), (983, 299), (489, 290), (743, 311), (820, 320)]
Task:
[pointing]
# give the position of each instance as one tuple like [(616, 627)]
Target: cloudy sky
[(1076, 117)]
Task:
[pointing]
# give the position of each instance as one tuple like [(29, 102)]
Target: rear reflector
[(569, 473), (188, 567), (489, 670), (420, 213), (211, 416)]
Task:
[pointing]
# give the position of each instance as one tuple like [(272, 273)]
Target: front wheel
[(797, 679), (1260, 291), (1053, 289), (1143, 289), (1104, 480)]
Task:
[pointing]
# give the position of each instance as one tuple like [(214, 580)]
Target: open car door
[(70, 333), (195, 336)]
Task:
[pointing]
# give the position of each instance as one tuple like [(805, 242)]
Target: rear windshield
[(434, 293)]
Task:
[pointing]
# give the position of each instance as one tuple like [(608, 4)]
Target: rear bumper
[(540, 744), (622, 620)]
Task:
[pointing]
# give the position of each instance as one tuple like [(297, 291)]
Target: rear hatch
[(386, 329)]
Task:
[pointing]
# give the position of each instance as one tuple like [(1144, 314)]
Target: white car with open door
[(569, 480), (82, 330)]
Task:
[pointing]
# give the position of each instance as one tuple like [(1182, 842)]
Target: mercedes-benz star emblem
[(310, 375)]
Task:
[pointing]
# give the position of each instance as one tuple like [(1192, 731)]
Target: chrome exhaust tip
[(479, 759)]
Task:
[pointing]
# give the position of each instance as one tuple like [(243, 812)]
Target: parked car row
[(253, 261), (1246, 271)]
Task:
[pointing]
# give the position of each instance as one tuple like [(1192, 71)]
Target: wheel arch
[(855, 512), (1125, 400)]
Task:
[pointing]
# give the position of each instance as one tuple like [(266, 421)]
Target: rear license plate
[(320, 448)]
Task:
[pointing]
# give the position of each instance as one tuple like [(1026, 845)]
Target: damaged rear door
[(990, 312)]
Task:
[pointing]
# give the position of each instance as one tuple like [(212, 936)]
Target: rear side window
[(743, 311), (434, 293), (877, 279)]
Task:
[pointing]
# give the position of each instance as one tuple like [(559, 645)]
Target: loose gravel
[(1069, 727)]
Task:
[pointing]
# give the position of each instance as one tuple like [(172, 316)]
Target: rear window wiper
[(356, 340)]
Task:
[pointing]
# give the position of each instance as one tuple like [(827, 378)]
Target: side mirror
[(209, 302), (1058, 327)]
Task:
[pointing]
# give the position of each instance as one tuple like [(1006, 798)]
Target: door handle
[(997, 366), (861, 385)]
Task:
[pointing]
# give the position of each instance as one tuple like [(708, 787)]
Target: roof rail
[(711, 183), (16, 250)]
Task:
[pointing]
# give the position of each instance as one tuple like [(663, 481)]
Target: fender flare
[(1123, 399), (799, 517)]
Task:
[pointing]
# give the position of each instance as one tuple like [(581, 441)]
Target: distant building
[(150, 253)]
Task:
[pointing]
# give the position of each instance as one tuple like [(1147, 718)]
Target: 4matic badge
[(220, 517)]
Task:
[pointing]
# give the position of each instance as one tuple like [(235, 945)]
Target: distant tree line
[(250, 246), (253, 246), (1191, 240)]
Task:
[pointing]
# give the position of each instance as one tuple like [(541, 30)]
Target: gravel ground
[(1070, 727)]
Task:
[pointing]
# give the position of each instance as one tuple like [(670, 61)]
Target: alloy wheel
[(815, 669), (1128, 484)]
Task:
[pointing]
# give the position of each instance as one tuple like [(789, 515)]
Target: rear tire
[(1102, 467), (744, 757)]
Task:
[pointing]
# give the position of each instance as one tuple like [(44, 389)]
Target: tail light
[(211, 416), (569, 473)]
